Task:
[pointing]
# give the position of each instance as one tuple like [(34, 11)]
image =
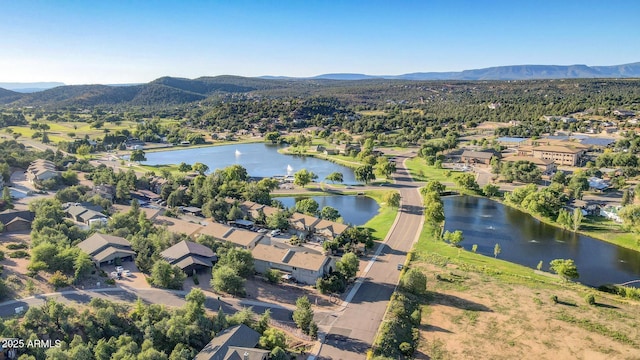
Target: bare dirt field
[(474, 316)]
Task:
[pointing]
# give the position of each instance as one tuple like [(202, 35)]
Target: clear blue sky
[(127, 41)]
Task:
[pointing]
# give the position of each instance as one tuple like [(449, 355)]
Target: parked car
[(400, 266), (275, 232), (119, 269), (263, 231)]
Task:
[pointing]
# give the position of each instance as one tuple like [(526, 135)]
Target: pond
[(355, 210), (260, 160), (525, 240)]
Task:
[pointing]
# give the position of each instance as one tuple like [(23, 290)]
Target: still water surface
[(260, 160), (355, 210), (526, 241)]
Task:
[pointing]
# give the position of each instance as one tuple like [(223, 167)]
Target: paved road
[(350, 333), (151, 296)]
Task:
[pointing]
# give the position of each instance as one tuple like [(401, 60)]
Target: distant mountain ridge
[(169, 91), (513, 72)]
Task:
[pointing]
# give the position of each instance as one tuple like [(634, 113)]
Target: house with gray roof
[(105, 249), (235, 343), (190, 257), (14, 220), (86, 214)]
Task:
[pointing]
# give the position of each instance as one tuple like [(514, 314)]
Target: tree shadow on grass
[(606, 306), (455, 301)]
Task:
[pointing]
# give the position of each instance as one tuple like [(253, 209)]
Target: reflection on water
[(525, 240), (260, 160)]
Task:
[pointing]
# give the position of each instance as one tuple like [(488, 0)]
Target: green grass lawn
[(430, 250), (609, 231), (381, 223)]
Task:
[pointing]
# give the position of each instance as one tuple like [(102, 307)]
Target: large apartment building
[(559, 154)]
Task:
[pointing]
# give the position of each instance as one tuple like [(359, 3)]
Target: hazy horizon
[(136, 42)]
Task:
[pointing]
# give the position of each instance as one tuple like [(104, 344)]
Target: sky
[(129, 41)]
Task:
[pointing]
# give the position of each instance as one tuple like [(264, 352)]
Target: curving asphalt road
[(349, 333)]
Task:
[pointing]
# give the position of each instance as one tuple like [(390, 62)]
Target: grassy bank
[(343, 160), (381, 223), (476, 304)]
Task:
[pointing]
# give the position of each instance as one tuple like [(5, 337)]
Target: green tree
[(138, 156), (273, 136), (364, 173), (240, 260), (384, 167), (272, 338), (565, 268), (497, 250), (83, 150), (490, 190), (167, 276), (564, 219), (335, 177), (329, 213), (226, 279), (454, 238), (303, 314), (307, 206), (304, 177), (6, 195), (82, 265), (467, 181), (626, 197), (200, 168), (392, 198), (278, 354), (278, 220), (184, 167), (235, 172), (414, 281), (348, 265), (433, 186), (576, 219), (235, 213)]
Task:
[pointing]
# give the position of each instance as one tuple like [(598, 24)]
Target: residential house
[(253, 209), (156, 183), (305, 266), (144, 196), (611, 212), (345, 149), (478, 157), (545, 165), (105, 191), (41, 170), (237, 237), (178, 226), (107, 249), (302, 225), (190, 257), (16, 221), (235, 343), (134, 144), (87, 214), (328, 230), (192, 210)]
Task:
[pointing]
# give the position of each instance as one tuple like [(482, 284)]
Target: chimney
[(245, 356)]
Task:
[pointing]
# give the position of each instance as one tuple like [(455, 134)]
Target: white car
[(127, 273), (275, 232), (119, 269)]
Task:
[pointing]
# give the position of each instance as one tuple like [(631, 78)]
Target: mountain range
[(172, 91)]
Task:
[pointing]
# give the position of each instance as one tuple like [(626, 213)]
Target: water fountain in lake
[(238, 153), (289, 170)]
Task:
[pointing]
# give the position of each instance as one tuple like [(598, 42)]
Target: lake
[(525, 240), (355, 210), (260, 160)]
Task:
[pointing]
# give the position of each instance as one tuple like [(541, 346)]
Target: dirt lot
[(474, 316)]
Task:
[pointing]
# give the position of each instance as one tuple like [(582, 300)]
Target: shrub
[(273, 276), (195, 279), (554, 298), (590, 299), (1, 255), (18, 254), (111, 281), (58, 280), (17, 246)]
